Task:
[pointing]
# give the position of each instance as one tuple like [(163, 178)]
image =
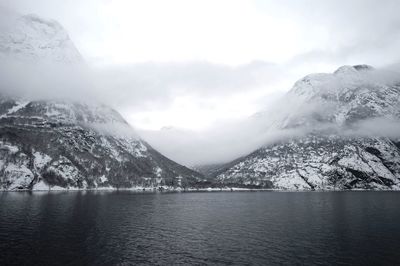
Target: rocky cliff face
[(336, 144), (63, 144)]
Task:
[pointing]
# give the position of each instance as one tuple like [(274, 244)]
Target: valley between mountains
[(332, 127)]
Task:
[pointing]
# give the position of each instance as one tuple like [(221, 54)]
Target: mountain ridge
[(63, 144), (331, 147), (45, 145)]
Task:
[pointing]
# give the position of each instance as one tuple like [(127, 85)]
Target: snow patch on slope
[(19, 105)]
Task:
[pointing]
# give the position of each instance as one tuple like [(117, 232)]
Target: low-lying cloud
[(290, 117), (337, 35)]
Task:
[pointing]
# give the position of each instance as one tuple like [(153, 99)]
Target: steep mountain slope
[(75, 145), (334, 143), (65, 144)]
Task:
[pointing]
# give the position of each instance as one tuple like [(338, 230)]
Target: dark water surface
[(251, 228)]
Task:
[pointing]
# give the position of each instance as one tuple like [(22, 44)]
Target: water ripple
[(125, 228)]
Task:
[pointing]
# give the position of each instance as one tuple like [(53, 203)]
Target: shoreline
[(182, 190)]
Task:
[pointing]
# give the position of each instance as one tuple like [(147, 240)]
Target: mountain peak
[(350, 95), (346, 69), (317, 83), (32, 38), (335, 131)]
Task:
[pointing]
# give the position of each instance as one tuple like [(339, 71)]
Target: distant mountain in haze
[(342, 133), (62, 144)]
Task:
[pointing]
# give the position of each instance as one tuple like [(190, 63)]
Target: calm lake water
[(244, 228)]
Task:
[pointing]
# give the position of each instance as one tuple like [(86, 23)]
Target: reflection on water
[(108, 228)]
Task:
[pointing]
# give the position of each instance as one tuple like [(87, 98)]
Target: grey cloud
[(224, 143), (140, 86), (157, 84)]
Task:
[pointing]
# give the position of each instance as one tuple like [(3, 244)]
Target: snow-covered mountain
[(31, 38), (338, 137), (350, 95), (64, 144), (55, 144)]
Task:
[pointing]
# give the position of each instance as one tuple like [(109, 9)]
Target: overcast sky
[(195, 64), (237, 55)]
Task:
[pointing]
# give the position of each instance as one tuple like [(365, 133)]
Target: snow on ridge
[(351, 94), (343, 124), (31, 37)]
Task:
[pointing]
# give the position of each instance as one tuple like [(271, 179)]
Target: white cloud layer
[(202, 67)]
